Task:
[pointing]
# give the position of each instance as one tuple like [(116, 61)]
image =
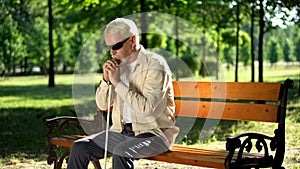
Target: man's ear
[(133, 40)]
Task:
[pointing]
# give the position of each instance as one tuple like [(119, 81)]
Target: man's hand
[(111, 71)]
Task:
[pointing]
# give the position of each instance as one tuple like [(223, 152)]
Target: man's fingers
[(113, 63)]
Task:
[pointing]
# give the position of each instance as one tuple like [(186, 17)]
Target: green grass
[(270, 74), (26, 101), (275, 73), (32, 92)]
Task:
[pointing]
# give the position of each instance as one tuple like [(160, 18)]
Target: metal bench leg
[(52, 157), (61, 160)]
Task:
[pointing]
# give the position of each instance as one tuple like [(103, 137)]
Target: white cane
[(107, 124)]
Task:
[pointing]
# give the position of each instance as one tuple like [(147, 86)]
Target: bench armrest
[(242, 145), (69, 125), (57, 125)]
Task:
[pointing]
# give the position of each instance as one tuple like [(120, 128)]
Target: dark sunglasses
[(118, 45)]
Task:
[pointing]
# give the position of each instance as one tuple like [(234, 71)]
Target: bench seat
[(180, 154)]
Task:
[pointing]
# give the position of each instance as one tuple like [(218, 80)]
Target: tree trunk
[(260, 43), (203, 60), (143, 24), (237, 41), (177, 45), (51, 50), (299, 88), (218, 53), (26, 65), (252, 44)]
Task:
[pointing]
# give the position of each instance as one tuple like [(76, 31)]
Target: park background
[(40, 42)]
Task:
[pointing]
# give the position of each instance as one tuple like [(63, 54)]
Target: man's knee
[(79, 147), (123, 151)]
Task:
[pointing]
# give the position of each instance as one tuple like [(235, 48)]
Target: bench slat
[(190, 158), (213, 158), (182, 148), (180, 159), (229, 90), (227, 111), (64, 142)]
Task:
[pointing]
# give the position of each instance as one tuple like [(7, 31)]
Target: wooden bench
[(242, 101)]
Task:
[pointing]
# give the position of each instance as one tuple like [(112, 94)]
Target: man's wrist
[(106, 81), (103, 82)]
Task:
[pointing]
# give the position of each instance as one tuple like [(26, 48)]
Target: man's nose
[(112, 52)]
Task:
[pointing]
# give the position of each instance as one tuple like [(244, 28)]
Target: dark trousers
[(123, 147)]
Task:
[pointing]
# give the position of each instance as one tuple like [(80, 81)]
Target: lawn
[(26, 101)]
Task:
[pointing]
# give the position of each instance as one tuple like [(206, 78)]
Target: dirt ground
[(140, 164)]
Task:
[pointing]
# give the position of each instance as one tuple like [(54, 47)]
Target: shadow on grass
[(22, 129), (38, 91), (21, 120)]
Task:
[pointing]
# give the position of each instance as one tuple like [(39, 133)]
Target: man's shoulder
[(153, 56)]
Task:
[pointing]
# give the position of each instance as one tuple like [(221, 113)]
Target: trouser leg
[(82, 152), (143, 145), (85, 150), (124, 149)]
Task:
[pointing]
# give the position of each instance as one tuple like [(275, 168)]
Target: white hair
[(125, 27)]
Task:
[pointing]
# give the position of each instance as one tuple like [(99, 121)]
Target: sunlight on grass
[(35, 80), (271, 74), (25, 102), (32, 91)]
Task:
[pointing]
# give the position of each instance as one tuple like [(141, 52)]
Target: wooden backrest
[(228, 100)]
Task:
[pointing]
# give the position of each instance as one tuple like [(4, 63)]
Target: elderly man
[(142, 100)]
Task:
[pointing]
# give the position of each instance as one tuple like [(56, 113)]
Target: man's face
[(119, 47)]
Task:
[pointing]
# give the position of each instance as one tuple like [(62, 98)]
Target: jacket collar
[(142, 57)]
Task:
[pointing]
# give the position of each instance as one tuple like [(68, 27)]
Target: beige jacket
[(150, 95)]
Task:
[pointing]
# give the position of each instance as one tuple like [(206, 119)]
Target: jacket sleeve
[(102, 96), (152, 93)]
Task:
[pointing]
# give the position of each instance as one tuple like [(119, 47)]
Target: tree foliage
[(273, 52), (24, 31)]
